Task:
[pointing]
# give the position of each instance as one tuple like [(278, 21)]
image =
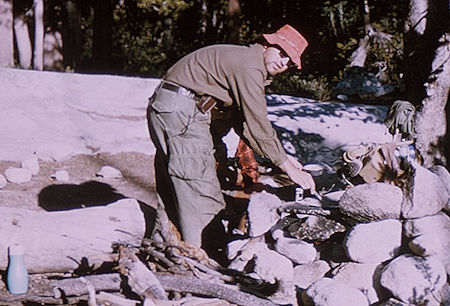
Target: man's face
[(276, 60)]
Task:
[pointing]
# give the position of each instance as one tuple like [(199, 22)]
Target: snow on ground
[(58, 115)]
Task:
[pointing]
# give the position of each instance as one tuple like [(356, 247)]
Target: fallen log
[(140, 279), (207, 288), (60, 241), (153, 286), (43, 289)]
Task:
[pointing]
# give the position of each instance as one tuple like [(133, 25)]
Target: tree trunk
[(22, 35), (426, 74), (431, 122), (359, 56), (6, 34), (38, 58), (102, 42), (53, 56), (63, 240), (234, 11), (71, 35)]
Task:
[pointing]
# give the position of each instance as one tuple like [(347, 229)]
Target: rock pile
[(370, 244)]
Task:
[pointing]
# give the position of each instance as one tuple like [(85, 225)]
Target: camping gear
[(372, 162), (400, 119)]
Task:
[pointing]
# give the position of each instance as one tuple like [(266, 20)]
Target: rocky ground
[(137, 182)]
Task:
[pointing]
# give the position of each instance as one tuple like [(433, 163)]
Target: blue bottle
[(17, 276)]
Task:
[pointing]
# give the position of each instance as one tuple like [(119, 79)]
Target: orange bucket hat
[(291, 41)]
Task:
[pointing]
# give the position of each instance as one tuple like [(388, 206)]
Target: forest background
[(404, 43)]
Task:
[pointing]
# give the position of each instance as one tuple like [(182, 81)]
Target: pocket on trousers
[(163, 102), (199, 173), (189, 167)]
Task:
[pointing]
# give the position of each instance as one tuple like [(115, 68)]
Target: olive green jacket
[(235, 75)]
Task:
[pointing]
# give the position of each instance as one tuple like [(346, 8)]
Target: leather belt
[(179, 90), (204, 103)]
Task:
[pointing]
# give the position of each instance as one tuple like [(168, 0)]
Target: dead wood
[(43, 289), (206, 288), (293, 207), (140, 279), (111, 299)]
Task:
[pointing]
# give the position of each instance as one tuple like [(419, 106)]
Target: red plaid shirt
[(247, 160)]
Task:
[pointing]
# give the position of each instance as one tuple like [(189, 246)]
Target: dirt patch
[(138, 180)]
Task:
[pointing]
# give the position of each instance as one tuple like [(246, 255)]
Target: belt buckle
[(206, 103)]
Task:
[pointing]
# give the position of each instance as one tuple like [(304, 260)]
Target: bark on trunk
[(359, 56), (427, 75), (234, 10), (431, 121), (22, 35), (6, 34), (71, 35), (102, 42), (60, 241), (38, 58)]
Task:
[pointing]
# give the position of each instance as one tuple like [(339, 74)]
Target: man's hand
[(302, 178)]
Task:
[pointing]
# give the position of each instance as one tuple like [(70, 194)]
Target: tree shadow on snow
[(288, 112)]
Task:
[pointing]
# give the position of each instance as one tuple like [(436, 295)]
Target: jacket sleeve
[(248, 90)]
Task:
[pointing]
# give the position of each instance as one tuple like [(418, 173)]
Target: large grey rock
[(413, 279), (306, 274), (361, 276), (234, 246), (444, 295), (374, 242), (427, 244), (266, 268), (246, 253), (298, 251), (282, 273), (431, 236), (444, 175), (437, 245), (331, 292), (427, 225), (369, 202), (262, 212), (427, 195)]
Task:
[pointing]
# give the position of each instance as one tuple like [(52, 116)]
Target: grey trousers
[(185, 169)]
